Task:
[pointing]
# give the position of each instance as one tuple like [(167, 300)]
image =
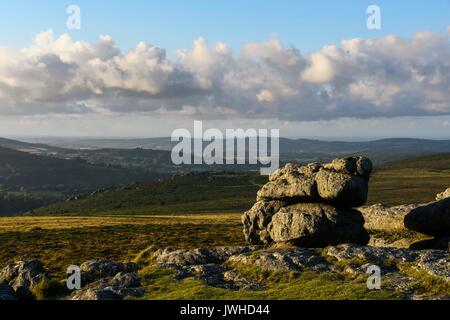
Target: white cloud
[(321, 69), (386, 77)]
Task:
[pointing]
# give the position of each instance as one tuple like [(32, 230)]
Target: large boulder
[(432, 219), (293, 183), (318, 225), (380, 217), (342, 188), (258, 218), (327, 192), (341, 182)]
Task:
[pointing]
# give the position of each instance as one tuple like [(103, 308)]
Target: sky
[(145, 68)]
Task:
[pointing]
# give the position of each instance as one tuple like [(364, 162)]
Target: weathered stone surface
[(443, 195), (434, 262), (339, 184), (111, 288), (125, 280), (291, 183), (23, 276), (432, 219), (342, 189), (281, 260), (380, 217), (99, 268), (7, 292), (371, 254), (96, 294), (257, 219), (206, 265), (354, 166), (186, 257), (318, 225), (343, 181)]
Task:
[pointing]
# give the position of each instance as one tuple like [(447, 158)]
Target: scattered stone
[(432, 219), (23, 276), (108, 280), (185, 257), (96, 294), (318, 225), (125, 280), (239, 282), (95, 269), (371, 254), (436, 263), (282, 260), (111, 288)]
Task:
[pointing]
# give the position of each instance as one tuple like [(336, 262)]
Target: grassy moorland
[(416, 180), (119, 223), (194, 193), (61, 241), (408, 181)]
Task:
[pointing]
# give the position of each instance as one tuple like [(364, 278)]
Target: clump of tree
[(12, 202)]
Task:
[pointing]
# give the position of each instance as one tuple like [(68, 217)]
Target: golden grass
[(30, 223)]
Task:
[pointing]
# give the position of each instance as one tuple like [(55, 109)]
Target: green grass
[(161, 285), (428, 282), (200, 193)]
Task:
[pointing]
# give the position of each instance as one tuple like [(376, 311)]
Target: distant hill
[(28, 181), (300, 150), (440, 161), (23, 170), (32, 148), (192, 193)]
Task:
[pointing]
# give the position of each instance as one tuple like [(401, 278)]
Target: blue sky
[(174, 24), (391, 86)]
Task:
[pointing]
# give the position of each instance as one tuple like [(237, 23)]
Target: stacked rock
[(312, 205)]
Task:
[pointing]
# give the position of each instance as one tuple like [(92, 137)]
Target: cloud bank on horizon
[(385, 77)]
